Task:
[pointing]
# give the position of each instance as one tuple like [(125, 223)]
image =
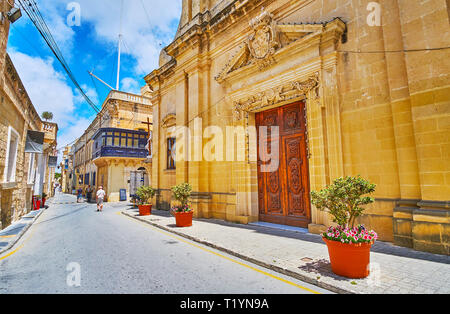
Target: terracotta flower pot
[(348, 259), (183, 219), (145, 210), (43, 202)]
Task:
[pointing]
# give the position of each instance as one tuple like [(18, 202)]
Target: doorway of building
[(284, 192), (138, 178)]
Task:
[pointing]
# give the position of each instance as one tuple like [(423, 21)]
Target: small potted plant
[(182, 211), (348, 245), (44, 198), (145, 194)]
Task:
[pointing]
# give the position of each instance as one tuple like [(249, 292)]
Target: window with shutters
[(171, 142)]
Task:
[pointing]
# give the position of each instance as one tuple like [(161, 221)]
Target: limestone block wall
[(382, 111), (15, 196), (394, 109)]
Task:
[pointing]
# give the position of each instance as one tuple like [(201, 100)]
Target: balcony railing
[(50, 130), (120, 152), (48, 127), (130, 97), (114, 142)]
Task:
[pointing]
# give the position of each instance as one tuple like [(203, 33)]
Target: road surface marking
[(222, 256), (20, 246), (11, 253)]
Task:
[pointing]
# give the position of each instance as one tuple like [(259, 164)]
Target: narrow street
[(119, 255)]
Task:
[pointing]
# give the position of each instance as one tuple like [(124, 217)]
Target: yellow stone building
[(66, 172), (22, 174), (112, 150), (355, 87)]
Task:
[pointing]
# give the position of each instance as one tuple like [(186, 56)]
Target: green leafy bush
[(344, 199), (145, 194), (181, 193)]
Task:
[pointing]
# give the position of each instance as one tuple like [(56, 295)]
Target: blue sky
[(148, 26)]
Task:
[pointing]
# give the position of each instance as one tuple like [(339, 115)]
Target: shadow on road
[(64, 215)]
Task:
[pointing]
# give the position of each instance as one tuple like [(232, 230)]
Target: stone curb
[(22, 232), (311, 280)]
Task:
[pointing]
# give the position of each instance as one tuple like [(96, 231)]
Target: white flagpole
[(120, 38)]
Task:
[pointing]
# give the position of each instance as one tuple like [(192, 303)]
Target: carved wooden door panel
[(284, 190)]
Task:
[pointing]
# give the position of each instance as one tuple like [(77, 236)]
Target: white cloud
[(57, 24), (71, 133), (90, 92), (46, 87), (49, 91), (130, 85), (147, 26)]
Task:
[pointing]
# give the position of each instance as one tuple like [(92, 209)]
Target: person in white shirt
[(100, 196)]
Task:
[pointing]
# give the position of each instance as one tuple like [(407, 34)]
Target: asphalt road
[(72, 248)]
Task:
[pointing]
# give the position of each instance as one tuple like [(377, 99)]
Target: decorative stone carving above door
[(268, 38), (273, 96)]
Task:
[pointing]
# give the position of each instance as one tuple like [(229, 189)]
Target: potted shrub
[(348, 245), (44, 198), (182, 211), (145, 194)]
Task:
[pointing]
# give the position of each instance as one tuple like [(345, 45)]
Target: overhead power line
[(30, 7)]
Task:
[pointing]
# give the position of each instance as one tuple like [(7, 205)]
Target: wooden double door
[(284, 189)]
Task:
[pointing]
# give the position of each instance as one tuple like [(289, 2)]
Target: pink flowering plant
[(344, 200), (350, 235), (181, 209), (181, 193)]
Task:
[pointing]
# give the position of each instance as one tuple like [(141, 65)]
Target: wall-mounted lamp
[(14, 14)]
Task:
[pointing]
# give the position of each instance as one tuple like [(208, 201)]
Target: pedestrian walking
[(100, 196), (89, 194), (79, 195)]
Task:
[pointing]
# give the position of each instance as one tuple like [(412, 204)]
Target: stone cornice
[(157, 75), (202, 25)]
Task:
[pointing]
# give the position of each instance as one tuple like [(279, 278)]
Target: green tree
[(344, 199), (47, 116), (145, 194), (182, 192)]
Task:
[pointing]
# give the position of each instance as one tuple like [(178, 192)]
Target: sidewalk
[(304, 256), (11, 234)]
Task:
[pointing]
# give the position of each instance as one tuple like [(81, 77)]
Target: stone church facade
[(351, 93)]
